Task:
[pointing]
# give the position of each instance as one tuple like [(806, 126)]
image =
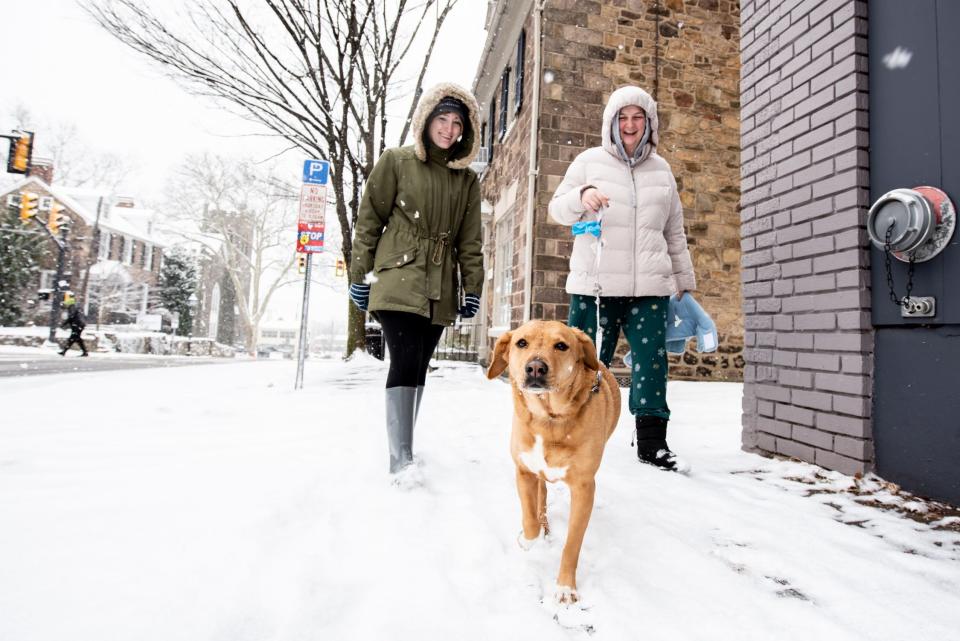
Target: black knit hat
[(449, 104)]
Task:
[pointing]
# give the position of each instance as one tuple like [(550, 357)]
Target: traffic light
[(57, 218), (341, 268), (21, 152), (301, 263), (28, 206)]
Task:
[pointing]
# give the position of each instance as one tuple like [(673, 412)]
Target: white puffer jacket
[(645, 248)]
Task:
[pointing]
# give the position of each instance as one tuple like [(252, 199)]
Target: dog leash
[(597, 289)]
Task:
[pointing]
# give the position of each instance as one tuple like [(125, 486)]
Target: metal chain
[(887, 251)]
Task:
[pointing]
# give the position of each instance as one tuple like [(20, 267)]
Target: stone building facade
[(806, 297), (573, 54)]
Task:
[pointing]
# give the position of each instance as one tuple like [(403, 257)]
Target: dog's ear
[(499, 361), (588, 349)]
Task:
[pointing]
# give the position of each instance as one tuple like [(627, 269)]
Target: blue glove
[(587, 227), (471, 305), (360, 295)]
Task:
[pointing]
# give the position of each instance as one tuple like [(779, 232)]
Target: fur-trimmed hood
[(466, 150), (622, 97)]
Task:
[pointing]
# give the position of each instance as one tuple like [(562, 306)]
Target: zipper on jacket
[(633, 198)]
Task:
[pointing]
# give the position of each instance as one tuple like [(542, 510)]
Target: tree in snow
[(318, 75), (178, 282), (243, 217), (20, 252)]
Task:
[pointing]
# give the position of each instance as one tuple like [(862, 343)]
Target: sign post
[(310, 233)]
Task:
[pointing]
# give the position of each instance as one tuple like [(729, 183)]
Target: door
[(914, 141)]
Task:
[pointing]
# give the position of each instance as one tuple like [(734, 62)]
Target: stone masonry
[(687, 56), (806, 298)]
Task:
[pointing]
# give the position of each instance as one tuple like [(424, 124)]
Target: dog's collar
[(596, 386)]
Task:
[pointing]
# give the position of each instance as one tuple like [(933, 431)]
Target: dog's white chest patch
[(536, 462)]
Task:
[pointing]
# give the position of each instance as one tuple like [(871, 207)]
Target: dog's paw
[(566, 595), (526, 544)]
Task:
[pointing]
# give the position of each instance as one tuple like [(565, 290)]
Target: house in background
[(115, 256), (545, 74)]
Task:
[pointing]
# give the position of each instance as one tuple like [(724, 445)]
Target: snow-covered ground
[(219, 504)]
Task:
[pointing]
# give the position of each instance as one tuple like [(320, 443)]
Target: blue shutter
[(518, 92), (492, 128), (504, 100)]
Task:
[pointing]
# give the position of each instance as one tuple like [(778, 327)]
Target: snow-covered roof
[(136, 222)]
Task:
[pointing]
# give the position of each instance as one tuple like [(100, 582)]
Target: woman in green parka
[(417, 260)]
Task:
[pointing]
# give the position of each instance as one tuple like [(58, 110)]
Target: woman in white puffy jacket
[(643, 259)]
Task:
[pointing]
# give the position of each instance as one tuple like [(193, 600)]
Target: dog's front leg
[(527, 489), (542, 505), (581, 506)]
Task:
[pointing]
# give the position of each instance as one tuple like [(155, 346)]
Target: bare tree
[(75, 162), (318, 74), (241, 214)]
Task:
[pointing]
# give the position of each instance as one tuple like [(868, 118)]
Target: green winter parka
[(418, 230)]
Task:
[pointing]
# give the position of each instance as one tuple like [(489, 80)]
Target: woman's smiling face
[(445, 129), (632, 121)]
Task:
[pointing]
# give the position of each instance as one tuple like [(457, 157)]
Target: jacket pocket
[(395, 259)]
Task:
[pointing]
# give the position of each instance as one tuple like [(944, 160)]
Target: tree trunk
[(356, 334)]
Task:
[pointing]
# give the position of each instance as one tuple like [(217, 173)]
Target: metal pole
[(55, 303), (302, 349)]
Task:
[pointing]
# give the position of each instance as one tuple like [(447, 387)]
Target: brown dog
[(565, 407)]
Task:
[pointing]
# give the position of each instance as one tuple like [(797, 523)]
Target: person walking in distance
[(418, 228), (76, 322), (632, 260)]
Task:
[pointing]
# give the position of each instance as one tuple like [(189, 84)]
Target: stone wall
[(805, 175), (687, 56)]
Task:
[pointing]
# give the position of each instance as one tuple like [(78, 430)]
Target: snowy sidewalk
[(218, 504)]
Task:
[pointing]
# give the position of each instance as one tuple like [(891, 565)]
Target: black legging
[(411, 339), (75, 338)]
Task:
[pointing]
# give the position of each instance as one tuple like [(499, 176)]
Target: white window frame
[(148, 257), (103, 251), (503, 272), (46, 278), (127, 250)]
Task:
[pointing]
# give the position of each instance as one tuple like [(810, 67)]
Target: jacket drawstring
[(443, 240)]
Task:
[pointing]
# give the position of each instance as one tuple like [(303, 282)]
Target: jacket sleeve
[(565, 206), (374, 212), (469, 243), (683, 274)]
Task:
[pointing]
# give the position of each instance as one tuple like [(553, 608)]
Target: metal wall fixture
[(913, 226), (920, 221)]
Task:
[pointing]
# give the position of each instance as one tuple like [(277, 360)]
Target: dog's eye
[(522, 343), (561, 346)]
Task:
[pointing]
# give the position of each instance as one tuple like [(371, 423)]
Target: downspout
[(533, 170)]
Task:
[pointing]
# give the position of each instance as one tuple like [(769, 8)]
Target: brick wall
[(509, 171), (806, 298)]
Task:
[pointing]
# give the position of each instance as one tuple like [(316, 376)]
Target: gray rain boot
[(416, 409), (401, 406)]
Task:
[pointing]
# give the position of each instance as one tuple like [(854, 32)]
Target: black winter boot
[(652, 445)]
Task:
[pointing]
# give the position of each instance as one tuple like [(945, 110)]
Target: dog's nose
[(536, 369)]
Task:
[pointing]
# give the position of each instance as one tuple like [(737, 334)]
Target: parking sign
[(316, 172)]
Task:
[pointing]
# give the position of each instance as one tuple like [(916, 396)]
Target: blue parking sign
[(316, 172)]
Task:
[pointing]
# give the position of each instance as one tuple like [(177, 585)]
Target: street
[(36, 364)]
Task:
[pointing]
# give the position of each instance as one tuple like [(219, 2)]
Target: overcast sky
[(63, 67)]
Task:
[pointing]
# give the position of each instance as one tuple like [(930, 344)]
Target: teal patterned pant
[(643, 320)]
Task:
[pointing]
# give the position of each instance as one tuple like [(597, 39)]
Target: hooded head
[(448, 98), (610, 133)]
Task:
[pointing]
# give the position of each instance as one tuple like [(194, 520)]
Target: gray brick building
[(818, 88)]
